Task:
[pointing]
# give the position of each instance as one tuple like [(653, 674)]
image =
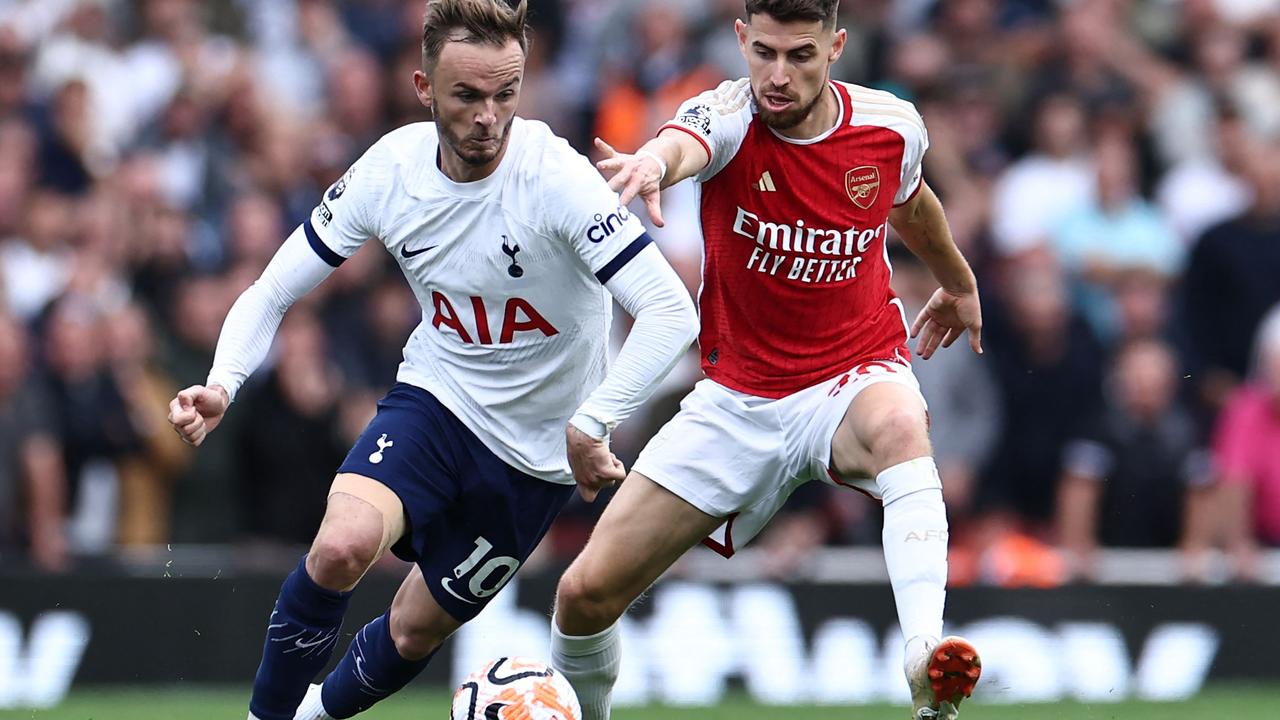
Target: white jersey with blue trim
[(509, 270)]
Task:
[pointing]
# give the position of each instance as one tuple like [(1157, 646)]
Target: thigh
[(410, 451), (468, 554), (644, 529), (887, 400), (721, 453)]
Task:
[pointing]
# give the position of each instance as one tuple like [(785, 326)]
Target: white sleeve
[(580, 209), (350, 210), (719, 120), (916, 142), (251, 324), (665, 324)]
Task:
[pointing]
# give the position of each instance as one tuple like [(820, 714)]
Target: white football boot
[(942, 676), (310, 707)]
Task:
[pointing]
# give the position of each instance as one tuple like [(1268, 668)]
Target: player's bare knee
[(339, 558), (586, 603), (899, 435)]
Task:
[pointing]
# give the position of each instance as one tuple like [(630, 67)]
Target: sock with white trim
[(590, 663), (301, 634)]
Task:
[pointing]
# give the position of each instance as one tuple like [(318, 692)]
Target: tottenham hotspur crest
[(383, 444), (514, 270)]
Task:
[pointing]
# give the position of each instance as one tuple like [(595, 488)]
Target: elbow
[(270, 293)]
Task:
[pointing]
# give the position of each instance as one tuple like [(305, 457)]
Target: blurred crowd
[(1110, 167)]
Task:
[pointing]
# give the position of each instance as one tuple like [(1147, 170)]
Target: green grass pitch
[(179, 704)]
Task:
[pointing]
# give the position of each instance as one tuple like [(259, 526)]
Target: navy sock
[(371, 670), (303, 629)]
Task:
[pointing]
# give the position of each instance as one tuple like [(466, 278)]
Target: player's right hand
[(196, 411), (594, 466), (631, 176)]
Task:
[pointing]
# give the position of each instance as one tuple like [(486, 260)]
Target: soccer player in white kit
[(513, 244), (803, 344)]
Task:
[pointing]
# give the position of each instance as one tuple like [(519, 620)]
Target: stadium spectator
[(33, 487), (1230, 282), (282, 476), (1247, 454), (146, 475), (1036, 191), (1048, 367), (91, 419), (1115, 232), (1182, 194), (1135, 475), (37, 265), (146, 145), (206, 507)]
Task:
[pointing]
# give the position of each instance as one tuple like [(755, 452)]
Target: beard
[(786, 119), (473, 156)]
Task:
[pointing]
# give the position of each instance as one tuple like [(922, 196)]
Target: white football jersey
[(509, 271)]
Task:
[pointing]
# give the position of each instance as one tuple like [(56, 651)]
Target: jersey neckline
[(840, 120), (483, 185)]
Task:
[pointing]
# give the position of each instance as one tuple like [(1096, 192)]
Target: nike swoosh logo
[(445, 583), (407, 253)]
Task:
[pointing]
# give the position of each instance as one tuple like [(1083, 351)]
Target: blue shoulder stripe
[(313, 239), (606, 273)]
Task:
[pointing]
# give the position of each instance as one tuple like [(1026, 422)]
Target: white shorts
[(739, 456)]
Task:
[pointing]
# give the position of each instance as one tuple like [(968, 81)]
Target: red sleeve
[(692, 134)]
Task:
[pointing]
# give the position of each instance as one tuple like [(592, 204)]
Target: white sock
[(311, 707), (590, 663), (915, 546)]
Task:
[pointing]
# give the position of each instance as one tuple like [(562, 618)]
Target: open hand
[(631, 176), (945, 319)]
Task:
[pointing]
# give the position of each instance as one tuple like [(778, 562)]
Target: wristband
[(662, 164), (590, 426)]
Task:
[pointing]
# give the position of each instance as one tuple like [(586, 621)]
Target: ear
[(837, 46), (740, 27), (422, 86)]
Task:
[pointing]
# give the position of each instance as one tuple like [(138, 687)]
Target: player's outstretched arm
[(246, 336), (671, 157), (955, 307), (665, 324)]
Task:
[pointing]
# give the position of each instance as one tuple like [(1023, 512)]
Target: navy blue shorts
[(470, 518)]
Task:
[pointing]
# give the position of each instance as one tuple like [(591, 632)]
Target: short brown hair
[(491, 22), (823, 11)]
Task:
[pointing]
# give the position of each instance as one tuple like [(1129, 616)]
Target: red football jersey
[(795, 278)]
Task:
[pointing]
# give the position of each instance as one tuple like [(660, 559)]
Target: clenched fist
[(196, 411)]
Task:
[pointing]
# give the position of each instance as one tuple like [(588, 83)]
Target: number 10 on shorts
[(492, 575)]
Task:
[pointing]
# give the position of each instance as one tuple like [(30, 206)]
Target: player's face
[(789, 65), (473, 92)]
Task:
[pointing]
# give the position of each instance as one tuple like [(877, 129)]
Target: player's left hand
[(945, 318), (594, 466)]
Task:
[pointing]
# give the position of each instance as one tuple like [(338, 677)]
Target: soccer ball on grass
[(514, 688)]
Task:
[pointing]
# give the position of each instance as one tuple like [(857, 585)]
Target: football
[(514, 688)]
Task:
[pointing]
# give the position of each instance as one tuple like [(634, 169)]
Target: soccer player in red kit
[(803, 344)]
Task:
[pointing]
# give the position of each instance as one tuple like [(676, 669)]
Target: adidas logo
[(765, 183)]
